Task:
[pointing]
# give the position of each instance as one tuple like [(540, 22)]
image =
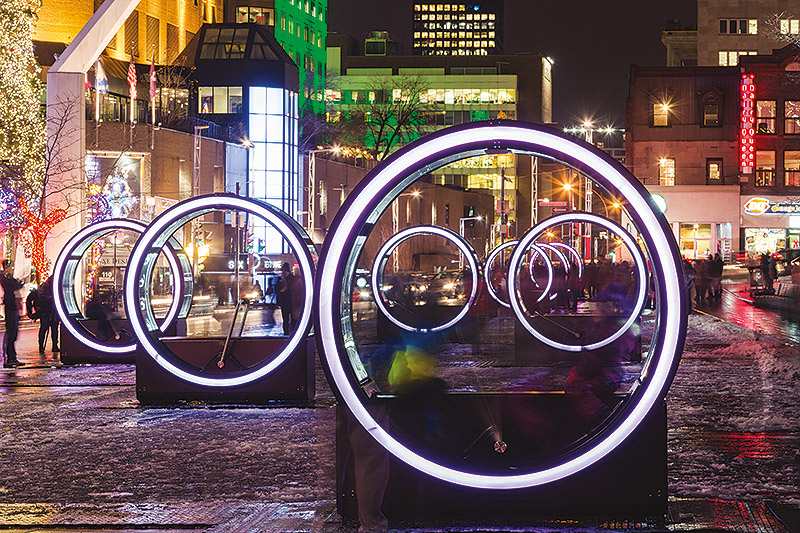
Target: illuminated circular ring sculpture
[(388, 247), (496, 252), (487, 270), (142, 261), (575, 254), (528, 239), (64, 282), (555, 251), (390, 178)]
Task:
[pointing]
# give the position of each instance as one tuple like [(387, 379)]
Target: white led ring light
[(64, 296), (166, 224), (575, 254), (487, 271), (415, 160), (537, 251), (516, 260), (555, 251), (383, 256)]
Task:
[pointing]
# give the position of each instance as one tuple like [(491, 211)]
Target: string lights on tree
[(33, 236)]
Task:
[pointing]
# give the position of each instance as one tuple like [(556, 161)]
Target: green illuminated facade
[(300, 26)]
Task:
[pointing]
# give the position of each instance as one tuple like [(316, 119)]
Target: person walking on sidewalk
[(48, 317), (11, 287)]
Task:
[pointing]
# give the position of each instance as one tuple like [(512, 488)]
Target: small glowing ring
[(64, 281), (556, 251), (383, 256), (140, 262), (493, 255), (516, 259), (487, 271), (378, 189), (574, 252)]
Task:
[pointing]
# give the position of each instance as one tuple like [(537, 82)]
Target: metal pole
[(502, 203), (312, 174), (236, 244)]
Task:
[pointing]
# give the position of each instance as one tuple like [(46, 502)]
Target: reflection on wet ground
[(736, 306)]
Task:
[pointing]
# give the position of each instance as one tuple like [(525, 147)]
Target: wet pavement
[(78, 453)]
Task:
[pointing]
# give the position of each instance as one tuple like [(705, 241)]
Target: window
[(219, 100), (790, 26), (224, 43), (791, 168), (660, 114), (765, 116), (738, 26), (765, 168), (711, 115), (666, 171), (730, 58), (792, 114), (258, 15), (714, 171)]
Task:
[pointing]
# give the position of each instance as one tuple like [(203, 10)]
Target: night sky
[(592, 42)]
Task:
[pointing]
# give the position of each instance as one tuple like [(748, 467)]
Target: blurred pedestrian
[(715, 268), (766, 273), (48, 317), (284, 297), (11, 304)]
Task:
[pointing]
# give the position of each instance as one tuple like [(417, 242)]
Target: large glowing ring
[(527, 240), (64, 282), (575, 254), (386, 250), (140, 264), (385, 182)]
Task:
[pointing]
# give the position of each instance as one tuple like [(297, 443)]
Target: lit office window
[(765, 116), (790, 26), (791, 166), (730, 58), (765, 168), (660, 114), (258, 15), (219, 100), (666, 171), (792, 114)]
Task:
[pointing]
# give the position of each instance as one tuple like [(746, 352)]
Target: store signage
[(548, 203), (761, 206), (747, 119)]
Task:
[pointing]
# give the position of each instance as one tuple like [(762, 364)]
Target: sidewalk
[(77, 452)]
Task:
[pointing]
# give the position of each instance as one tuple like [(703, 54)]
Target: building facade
[(458, 28), (698, 135), (455, 90), (728, 29), (300, 26), (157, 27)]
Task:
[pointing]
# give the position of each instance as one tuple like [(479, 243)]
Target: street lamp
[(312, 164), (461, 232)]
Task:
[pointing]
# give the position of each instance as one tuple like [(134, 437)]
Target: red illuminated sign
[(747, 150)]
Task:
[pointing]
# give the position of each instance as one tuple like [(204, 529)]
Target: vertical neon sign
[(747, 132)]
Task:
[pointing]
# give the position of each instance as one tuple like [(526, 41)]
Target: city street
[(79, 453)]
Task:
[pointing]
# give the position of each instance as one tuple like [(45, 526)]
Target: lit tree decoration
[(22, 127), (33, 236), (119, 194)]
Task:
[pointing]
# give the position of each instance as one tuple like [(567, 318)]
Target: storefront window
[(791, 166), (765, 168), (764, 240), (695, 240), (724, 240), (765, 116)]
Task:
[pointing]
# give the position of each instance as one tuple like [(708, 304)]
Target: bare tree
[(393, 112), (778, 29)]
